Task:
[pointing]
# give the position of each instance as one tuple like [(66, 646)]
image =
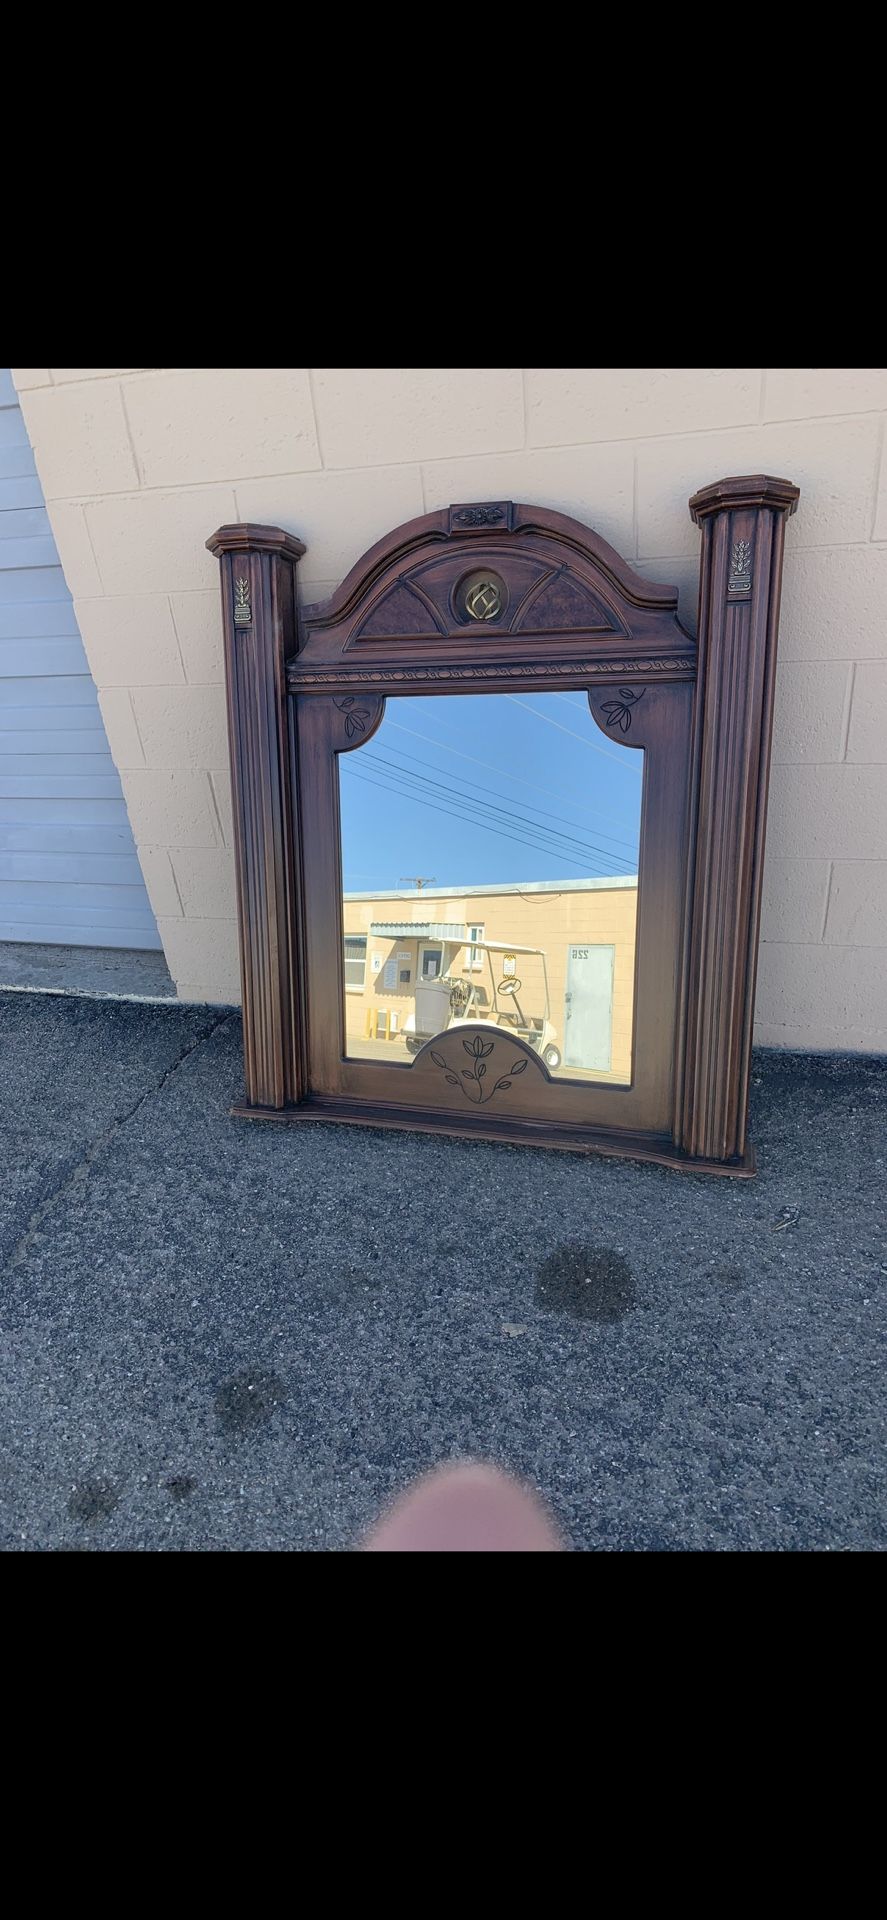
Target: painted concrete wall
[(139, 465)]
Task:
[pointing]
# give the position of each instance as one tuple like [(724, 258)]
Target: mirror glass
[(490, 873)]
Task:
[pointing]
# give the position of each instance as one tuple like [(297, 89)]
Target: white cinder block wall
[(139, 465)]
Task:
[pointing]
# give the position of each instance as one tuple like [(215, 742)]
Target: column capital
[(244, 536), (745, 490)]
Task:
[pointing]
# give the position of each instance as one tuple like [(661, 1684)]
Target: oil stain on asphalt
[(92, 1500), (181, 1485), (248, 1401), (590, 1283)]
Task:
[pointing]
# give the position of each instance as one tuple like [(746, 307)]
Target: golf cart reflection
[(455, 1000)]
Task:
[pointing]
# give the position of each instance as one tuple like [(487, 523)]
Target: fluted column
[(258, 578), (743, 526)]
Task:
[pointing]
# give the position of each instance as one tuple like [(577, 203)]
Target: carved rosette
[(479, 516)]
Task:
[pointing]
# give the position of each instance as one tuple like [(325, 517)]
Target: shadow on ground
[(222, 1335)]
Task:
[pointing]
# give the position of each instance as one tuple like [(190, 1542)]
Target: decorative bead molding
[(678, 666)]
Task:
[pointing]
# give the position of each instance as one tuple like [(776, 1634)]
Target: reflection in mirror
[(490, 873)]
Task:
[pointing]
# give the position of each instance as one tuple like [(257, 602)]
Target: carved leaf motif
[(618, 712), (477, 1046), (355, 717), (740, 566), (478, 1049)]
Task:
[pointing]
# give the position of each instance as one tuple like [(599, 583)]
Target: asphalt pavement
[(223, 1335)]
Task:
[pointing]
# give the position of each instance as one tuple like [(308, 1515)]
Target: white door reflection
[(490, 873)]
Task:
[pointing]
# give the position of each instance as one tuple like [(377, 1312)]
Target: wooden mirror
[(493, 692)]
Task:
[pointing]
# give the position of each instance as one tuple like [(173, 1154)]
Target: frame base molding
[(614, 1145)]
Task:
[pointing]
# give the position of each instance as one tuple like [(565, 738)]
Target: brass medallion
[(484, 600)]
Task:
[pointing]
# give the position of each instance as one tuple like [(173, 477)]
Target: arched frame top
[(494, 596), (567, 600), (467, 525)]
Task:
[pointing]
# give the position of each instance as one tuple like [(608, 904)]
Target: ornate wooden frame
[(305, 687)]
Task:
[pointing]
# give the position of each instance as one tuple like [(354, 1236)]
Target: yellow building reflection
[(552, 960)]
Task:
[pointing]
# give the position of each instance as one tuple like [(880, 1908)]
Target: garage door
[(69, 873)]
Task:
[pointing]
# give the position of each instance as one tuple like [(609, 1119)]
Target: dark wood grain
[(264, 781), (731, 758), (572, 614)]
